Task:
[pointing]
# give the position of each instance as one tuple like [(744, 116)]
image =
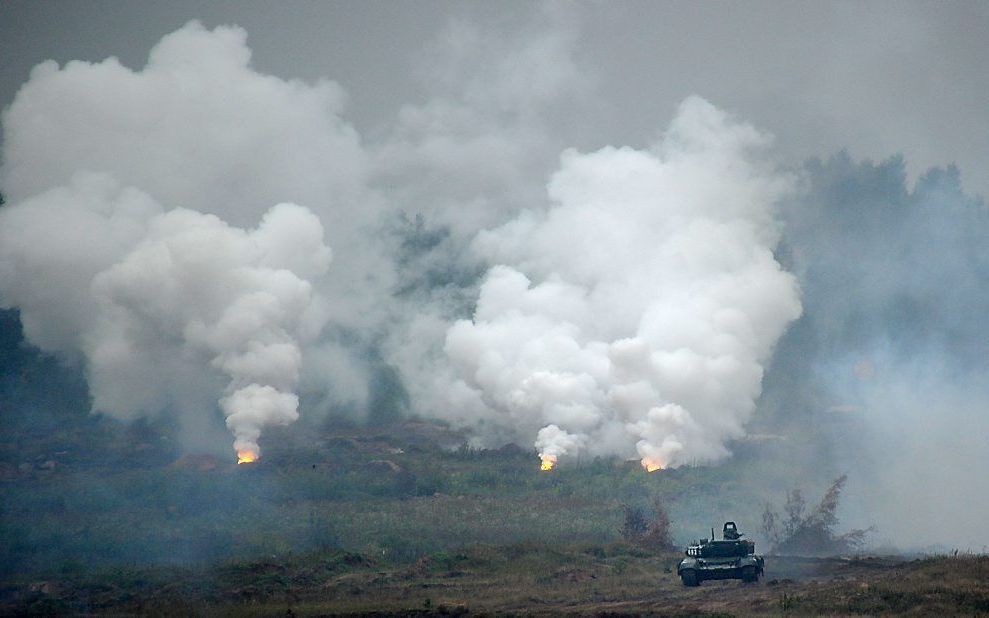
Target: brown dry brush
[(812, 533), (640, 529)]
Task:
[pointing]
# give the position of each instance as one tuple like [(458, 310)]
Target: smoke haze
[(891, 349), (501, 262)]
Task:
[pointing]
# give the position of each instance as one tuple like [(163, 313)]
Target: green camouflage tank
[(730, 558)]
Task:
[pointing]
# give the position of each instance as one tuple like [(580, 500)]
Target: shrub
[(634, 525), (653, 533), (658, 534), (811, 533)]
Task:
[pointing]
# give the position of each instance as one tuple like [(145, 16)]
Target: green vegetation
[(647, 530), (613, 579), (811, 534), (384, 491), (99, 517), (508, 576)]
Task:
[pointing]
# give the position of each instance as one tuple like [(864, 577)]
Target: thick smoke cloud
[(636, 312), (690, 298), (632, 313), (198, 127), (91, 150), (150, 300)]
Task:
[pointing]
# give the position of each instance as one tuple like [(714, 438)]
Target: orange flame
[(547, 462), (246, 457), (651, 465)]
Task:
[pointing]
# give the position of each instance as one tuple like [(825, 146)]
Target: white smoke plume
[(632, 313), (636, 313), (90, 152), (199, 127), (149, 299), (553, 442), (196, 127)]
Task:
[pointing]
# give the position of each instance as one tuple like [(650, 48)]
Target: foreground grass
[(944, 585), (527, 578), (505, 577)]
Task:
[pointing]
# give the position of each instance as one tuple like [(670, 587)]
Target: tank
[(732, 557)]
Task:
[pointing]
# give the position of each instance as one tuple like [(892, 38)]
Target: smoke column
[(635, 314), (149, 299), (631, 316), (199, 127), (632, 313)]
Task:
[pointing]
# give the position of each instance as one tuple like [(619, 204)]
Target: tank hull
[(693, 571), (732, 557)]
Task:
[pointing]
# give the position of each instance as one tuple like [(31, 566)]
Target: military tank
[(730, 558)]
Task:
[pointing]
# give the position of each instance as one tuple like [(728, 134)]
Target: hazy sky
[(877, 78)]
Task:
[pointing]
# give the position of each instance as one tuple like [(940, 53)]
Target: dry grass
[(937, 586), (613, 579), (316, 530)]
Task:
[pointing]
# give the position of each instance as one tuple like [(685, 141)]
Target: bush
[(653, 533), (658, 534), (813, 533), (634, 525)]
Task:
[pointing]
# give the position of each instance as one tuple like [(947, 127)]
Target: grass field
[(398, 519), (385, 491), (615, 579)]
